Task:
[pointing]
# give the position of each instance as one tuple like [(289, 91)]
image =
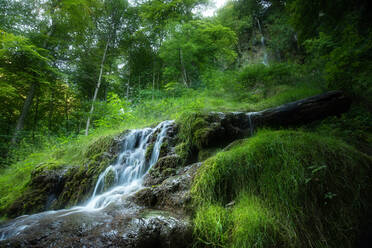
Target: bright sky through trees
[(214, 6)]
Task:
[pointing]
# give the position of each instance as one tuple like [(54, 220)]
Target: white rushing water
[(265, 59), (126, 177)]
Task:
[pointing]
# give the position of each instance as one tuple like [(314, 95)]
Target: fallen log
[(303, 111), (231, 126)]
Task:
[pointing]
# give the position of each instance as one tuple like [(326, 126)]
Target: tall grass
[(291, 189)]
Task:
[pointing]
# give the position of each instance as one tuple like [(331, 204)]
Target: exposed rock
[(116, 227), (164, 168), (43, 190), (172, 194)]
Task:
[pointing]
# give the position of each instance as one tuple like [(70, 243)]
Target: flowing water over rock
[(265, 59), (108, 216)]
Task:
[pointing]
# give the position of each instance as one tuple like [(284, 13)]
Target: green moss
[(314, 188), (149, 150), (32, 195), (109, 179), (164, 148), (99, 146), (182, 149), (165, 167), (193, 131)]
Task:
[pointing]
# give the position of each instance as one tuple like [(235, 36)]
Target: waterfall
[(126, 173), (265, 59), (250, 122), (130, 167)]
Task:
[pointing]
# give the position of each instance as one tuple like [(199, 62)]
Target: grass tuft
[(302, 189)]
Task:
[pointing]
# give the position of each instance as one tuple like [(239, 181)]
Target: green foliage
[(115, 111), (194, 47), (298, 190), (337, 42), (268, 76), (353, 127), (282, 38), (242, 25)]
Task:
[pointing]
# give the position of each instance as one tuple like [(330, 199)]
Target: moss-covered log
[(303, 111)]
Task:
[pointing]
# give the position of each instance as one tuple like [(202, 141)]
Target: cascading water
[(250, 122), (126, 178), (130, 167), (265, 60)]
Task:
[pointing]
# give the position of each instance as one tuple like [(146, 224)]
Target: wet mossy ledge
[(56, 185), (283, 189)]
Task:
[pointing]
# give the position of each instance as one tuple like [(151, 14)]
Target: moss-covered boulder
[(283, 189), (56, 186), (172, 194), (41, 192), (207, 132), (80, 180), (164, 168)]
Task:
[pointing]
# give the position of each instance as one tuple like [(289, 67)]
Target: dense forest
[(77, 74)]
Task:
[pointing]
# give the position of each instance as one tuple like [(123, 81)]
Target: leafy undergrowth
[(283, 189), (70, 151)]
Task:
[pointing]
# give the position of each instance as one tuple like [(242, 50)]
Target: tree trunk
[(35, 118), (128, 85), (153, 85), (97, 88), (66, 112), (26, 107), (51, 111), (183, 69)]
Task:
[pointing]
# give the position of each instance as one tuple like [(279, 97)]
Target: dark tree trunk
[(51, 111), (26, 107), (35, 118), (66, 113)]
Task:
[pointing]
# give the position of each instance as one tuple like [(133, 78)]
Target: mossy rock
[(164, 148), (149, 150), (109, 179), (55, 186), (99, 146), (204, 131), (44, 185), (80, 181), (165, 167), (145, 197), (311, 191)]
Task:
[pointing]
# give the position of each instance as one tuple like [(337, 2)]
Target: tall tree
[(111, 23)]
